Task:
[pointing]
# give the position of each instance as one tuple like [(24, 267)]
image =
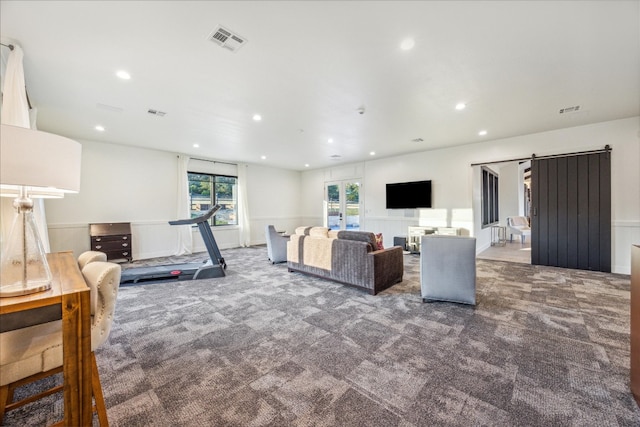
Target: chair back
[(269, 234), (103, 278), (90, 256), (448, 268)]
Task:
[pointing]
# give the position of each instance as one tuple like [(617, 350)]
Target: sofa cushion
[(360, 236), (303, 231), (319, 232)]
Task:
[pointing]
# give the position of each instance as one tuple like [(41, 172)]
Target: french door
[(342, 205)]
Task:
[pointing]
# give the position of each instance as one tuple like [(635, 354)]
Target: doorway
[(343, 205)]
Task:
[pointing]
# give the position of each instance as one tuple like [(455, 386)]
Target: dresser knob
[(125, 237), (98, 239), (125, 253), (124, 245)]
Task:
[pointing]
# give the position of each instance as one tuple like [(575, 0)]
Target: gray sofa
[(348, 257)]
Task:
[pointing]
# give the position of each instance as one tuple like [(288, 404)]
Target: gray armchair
[(448, 268), (276, 245)]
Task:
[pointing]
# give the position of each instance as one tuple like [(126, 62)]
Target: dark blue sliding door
[(571, 211)]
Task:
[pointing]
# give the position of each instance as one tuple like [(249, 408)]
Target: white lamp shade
[(44, 162)]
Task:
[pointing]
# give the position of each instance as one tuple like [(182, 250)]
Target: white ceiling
[(308, 66)]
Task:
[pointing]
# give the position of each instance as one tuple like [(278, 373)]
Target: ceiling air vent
[(335, 157), (227, 39), (156, 112), (573, 109), (417, 140)]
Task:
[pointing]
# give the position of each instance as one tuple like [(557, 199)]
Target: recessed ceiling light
[(407, 44), (257, 117), (263, 157), (123, 75), (330, 140), (306, 165), (461, 106), (99, 128), (196, 145), (482, 133), (372, 153)]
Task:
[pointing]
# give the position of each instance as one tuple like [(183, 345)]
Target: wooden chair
[(30, 354)]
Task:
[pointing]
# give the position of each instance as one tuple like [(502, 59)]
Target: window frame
[(213, 196), (489, 211)]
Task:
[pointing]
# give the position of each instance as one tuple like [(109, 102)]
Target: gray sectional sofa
[(349, 257)]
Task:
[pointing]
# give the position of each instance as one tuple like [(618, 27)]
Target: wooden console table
[(68, 299)]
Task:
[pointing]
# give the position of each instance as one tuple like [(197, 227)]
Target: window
[(205, 190), (489, 198)]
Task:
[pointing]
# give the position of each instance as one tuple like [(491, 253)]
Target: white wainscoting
[(149, 239), (623, 235)]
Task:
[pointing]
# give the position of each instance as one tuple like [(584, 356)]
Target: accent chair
[(448, 268), (276, 245)]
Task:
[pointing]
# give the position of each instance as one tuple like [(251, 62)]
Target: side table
[(498, 235)]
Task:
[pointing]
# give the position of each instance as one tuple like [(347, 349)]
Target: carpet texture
[(265, 347)]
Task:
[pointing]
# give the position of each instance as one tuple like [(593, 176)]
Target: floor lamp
[(33, 164)]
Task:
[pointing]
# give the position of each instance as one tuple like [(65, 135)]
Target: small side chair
[(276, 245), (448, 268)]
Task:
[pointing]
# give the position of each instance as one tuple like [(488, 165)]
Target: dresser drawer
[(110, 245), (104, 239), (123, 254)]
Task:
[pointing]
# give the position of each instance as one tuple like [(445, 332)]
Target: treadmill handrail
[(197, 220)]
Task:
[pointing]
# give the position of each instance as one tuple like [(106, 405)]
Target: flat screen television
[(409, 195)]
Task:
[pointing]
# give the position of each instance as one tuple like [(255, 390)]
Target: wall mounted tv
[(409, 195)]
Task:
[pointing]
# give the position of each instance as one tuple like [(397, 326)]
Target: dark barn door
[(571, 211)]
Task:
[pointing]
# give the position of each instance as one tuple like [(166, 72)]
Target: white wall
[(509, 182), (456, 184), (127, 184)]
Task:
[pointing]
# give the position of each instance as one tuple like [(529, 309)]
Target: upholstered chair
[(90, 256), (276, 245), (448, 268), (518, 225), (33, 353)]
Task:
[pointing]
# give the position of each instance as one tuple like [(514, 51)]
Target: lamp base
[(24, 269), (18, 289)]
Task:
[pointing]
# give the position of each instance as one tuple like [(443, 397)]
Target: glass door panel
[(334, 214), (352, 205)]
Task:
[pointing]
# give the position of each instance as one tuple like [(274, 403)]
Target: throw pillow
[(379, 241)]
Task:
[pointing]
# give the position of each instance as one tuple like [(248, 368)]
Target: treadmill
[(186, 271)]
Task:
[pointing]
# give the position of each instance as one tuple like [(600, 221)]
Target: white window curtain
[(15, 112), (185, 234), (243, 206)]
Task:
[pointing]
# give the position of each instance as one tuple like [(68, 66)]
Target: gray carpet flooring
[(265, 347)]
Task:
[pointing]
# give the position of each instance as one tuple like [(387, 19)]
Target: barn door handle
[(535, 211)]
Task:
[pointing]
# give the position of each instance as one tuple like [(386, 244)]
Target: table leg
[(76, 342)]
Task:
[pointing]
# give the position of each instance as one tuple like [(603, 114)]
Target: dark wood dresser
[(112, 238)]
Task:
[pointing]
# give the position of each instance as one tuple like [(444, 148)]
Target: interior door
[(342, 205), (571, 211)]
